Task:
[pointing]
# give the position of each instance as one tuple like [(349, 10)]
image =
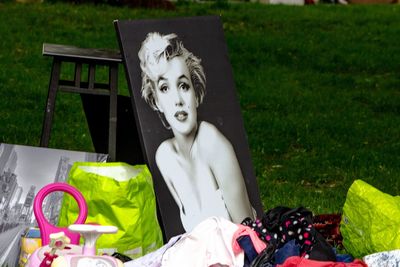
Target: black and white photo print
[(189, 120), (24, 170)]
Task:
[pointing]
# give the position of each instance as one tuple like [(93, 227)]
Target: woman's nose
[(178, 99)]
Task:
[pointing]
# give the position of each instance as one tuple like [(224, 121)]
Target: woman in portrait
[(198, 163)]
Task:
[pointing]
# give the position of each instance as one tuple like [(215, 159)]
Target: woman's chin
[(183, 128), (183, 131)]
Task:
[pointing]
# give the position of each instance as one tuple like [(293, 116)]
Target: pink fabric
[(296, 261), (258, 244)]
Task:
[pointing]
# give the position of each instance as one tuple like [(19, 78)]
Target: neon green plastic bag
[(370, 221), (116, 194)]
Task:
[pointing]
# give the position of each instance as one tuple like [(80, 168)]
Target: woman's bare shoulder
[(208, 130), (164, 152), (165, 147), (210, 136)]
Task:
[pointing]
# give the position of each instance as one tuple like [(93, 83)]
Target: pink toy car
[(60, 246), (88, 257)]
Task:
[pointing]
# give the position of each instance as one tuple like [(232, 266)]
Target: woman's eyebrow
[(161, 79), (183, 76)]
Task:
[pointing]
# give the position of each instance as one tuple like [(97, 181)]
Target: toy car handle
[(45, 227), (90, 234)]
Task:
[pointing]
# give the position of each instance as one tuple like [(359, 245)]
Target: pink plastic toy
[(45, 227), (44, 255), (60, 245), (90, 234)]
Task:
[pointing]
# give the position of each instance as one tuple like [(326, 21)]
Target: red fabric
[(296, 261), (258, 244)]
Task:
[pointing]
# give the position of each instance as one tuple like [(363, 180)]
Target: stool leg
[(112, 132), (91, 74), (50, 104), (78, 73)]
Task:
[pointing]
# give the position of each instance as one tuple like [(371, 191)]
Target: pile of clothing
[(283, 237), (368, 230)]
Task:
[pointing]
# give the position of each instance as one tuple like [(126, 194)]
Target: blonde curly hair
[(155, 52)]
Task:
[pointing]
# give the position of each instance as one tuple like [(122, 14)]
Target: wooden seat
[(82, 57)]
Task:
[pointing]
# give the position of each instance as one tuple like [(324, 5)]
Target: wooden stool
[(80, 56)]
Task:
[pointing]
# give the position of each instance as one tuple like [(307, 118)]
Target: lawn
[(319, 88)]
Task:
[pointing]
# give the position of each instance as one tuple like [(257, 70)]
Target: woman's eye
[(163, 88), (184, 86)]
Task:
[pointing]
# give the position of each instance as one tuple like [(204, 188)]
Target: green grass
[(319, 88)]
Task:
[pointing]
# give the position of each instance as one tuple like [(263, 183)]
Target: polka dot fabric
[(295, 226)]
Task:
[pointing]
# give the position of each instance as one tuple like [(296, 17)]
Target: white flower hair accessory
[(154, 53)]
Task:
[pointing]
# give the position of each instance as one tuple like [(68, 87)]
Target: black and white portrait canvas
[(189, 120)]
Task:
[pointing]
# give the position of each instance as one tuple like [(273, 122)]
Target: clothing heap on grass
[(283, 237)]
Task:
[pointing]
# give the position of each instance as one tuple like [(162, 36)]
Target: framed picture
[(189, 120), (24, 170)]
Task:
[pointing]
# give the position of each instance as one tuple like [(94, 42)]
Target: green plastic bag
[(370, 221), (116, 194)]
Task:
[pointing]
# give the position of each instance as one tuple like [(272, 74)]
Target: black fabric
[(274, 218), (121, 257), (285, 224), (265, 258), (322, 250), (281, 225)]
